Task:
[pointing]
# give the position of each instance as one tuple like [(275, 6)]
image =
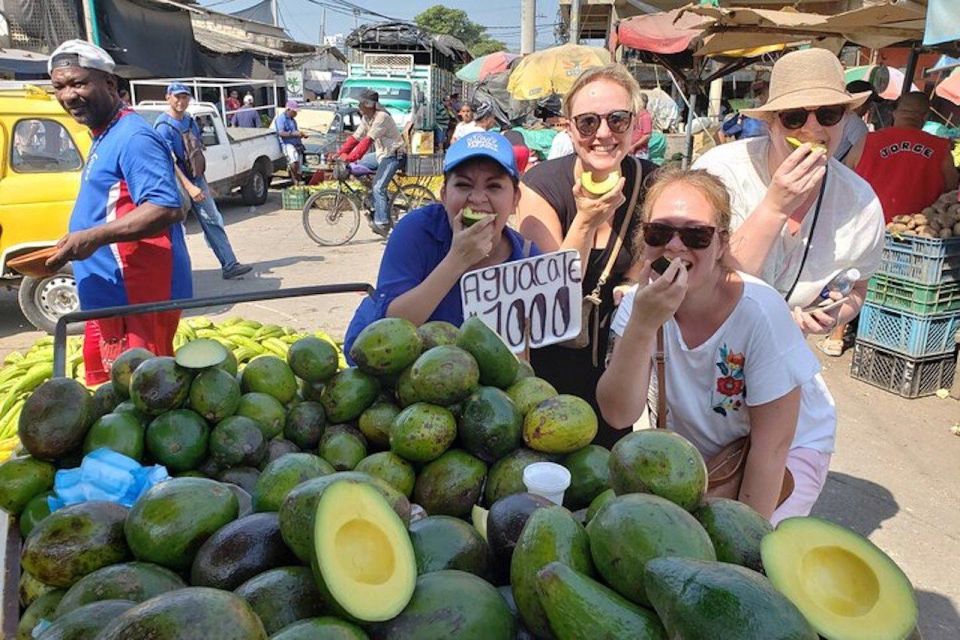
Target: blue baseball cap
[(177, 88), (482, 145)]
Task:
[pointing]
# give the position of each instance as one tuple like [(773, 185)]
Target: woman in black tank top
[(557, 213)]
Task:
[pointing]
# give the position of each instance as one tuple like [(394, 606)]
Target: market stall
[(256, 485)]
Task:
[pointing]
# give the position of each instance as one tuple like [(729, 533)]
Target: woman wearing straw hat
[(801, 219)]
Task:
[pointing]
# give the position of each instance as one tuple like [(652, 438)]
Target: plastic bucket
[(547, 479)]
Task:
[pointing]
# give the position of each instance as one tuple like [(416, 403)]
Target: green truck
[(407, 66)]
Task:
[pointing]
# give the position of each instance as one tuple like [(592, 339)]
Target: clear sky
[(302, 18)]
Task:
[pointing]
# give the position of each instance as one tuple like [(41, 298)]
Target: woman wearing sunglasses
[(557, 213), (801, 218), (735, 363)]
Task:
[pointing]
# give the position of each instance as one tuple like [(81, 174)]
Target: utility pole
[(528, 26), (275, 13), (91, 31), (574, 36), (323, 25)]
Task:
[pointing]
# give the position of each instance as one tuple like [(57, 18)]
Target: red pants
[(104, 340)]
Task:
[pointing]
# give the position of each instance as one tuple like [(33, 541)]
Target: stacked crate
[(906, 337)]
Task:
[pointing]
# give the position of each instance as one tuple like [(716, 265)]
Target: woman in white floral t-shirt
[(736, 363)]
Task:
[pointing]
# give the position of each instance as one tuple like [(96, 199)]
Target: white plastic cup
[(547, 479)]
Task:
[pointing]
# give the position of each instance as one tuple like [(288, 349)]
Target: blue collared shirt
[(286, 124), (419, 243)]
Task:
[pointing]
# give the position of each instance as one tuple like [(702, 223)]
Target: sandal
[(831, 347)]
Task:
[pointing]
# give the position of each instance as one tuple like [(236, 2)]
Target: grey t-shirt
[(854, 130)]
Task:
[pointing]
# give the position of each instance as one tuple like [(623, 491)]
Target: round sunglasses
[(657, 234), (827, 116), (618, 121)]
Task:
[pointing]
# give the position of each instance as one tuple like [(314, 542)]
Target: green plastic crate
[(295, 197), (916, 298)]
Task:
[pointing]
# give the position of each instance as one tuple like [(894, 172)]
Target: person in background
[(247, 117), (521, 152), (126, 237), (657, 147), (738, 125), (441, 119), (801, 218), (124, 97), (465, 119), (562, 144), (291, 139), (854, 126), (232, 103), (182, 135), (558, 213), (483, 120), (431, 248), (642, 130), (376, 129), (735, 363), (907, 168)]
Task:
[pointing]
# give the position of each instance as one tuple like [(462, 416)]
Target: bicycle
[(331, 217)]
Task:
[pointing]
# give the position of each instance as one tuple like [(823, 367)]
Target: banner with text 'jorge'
[(543, 292)]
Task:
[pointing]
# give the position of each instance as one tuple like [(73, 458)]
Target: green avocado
[(451, 484), (498, 366), (490, 425), (282, 596), (444, 542)]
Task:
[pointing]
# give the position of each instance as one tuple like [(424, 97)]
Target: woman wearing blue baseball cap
[(432, 247)]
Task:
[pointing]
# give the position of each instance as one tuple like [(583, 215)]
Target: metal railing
[(60, 332)]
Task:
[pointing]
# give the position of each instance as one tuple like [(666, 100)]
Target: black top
[(571, 370)]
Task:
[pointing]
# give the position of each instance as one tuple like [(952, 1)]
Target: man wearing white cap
[(802, 219), (126, 241)]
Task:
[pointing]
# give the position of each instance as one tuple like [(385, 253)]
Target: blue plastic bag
[(106, 475)]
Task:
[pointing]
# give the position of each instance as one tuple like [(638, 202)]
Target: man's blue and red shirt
[(129, 165)]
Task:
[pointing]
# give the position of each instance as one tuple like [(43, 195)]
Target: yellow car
[(43, 153)]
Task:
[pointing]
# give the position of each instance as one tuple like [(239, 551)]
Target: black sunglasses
[(826, 116), (618, 121), (656, 234)]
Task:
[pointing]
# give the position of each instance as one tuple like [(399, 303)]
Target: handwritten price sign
[(543, 292)]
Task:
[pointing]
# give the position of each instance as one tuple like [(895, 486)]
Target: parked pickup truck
[(237, 158)]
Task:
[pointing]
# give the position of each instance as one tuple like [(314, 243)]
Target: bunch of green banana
[(21, 373)]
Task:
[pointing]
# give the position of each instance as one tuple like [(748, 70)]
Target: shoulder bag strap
[(621, 232), (660, 363), (527, 245), (813, 227)]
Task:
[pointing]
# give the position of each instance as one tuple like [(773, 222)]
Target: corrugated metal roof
[(223, 43)]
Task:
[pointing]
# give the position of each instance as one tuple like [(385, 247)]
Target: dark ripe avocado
[(282, 596), (505, 521), (123, 367), (444, 542), (277, 448), (240, 550), (55, 418), (159, 385), (243, 477), (305, 424)]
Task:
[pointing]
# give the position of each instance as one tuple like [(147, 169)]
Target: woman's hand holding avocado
[(472, 244)]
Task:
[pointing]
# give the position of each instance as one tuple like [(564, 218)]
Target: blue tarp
[(943, 22)]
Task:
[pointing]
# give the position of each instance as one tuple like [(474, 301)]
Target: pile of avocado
[(291, 514)]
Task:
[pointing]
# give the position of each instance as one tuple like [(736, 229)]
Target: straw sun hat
[(804, 79)]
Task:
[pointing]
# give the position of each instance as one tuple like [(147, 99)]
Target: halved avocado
[(471, 217), (364, 559), (598, 188), (844, 585), (200, 354)]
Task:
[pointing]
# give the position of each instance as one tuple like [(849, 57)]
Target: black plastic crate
[(904, 376)]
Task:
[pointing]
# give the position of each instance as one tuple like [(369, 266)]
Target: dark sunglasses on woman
[(656, 234), (827, 116), (618, 121)]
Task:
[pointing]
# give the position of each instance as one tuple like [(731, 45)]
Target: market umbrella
[(888, 81), (949, 88), (553, 70), (486, 65)]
